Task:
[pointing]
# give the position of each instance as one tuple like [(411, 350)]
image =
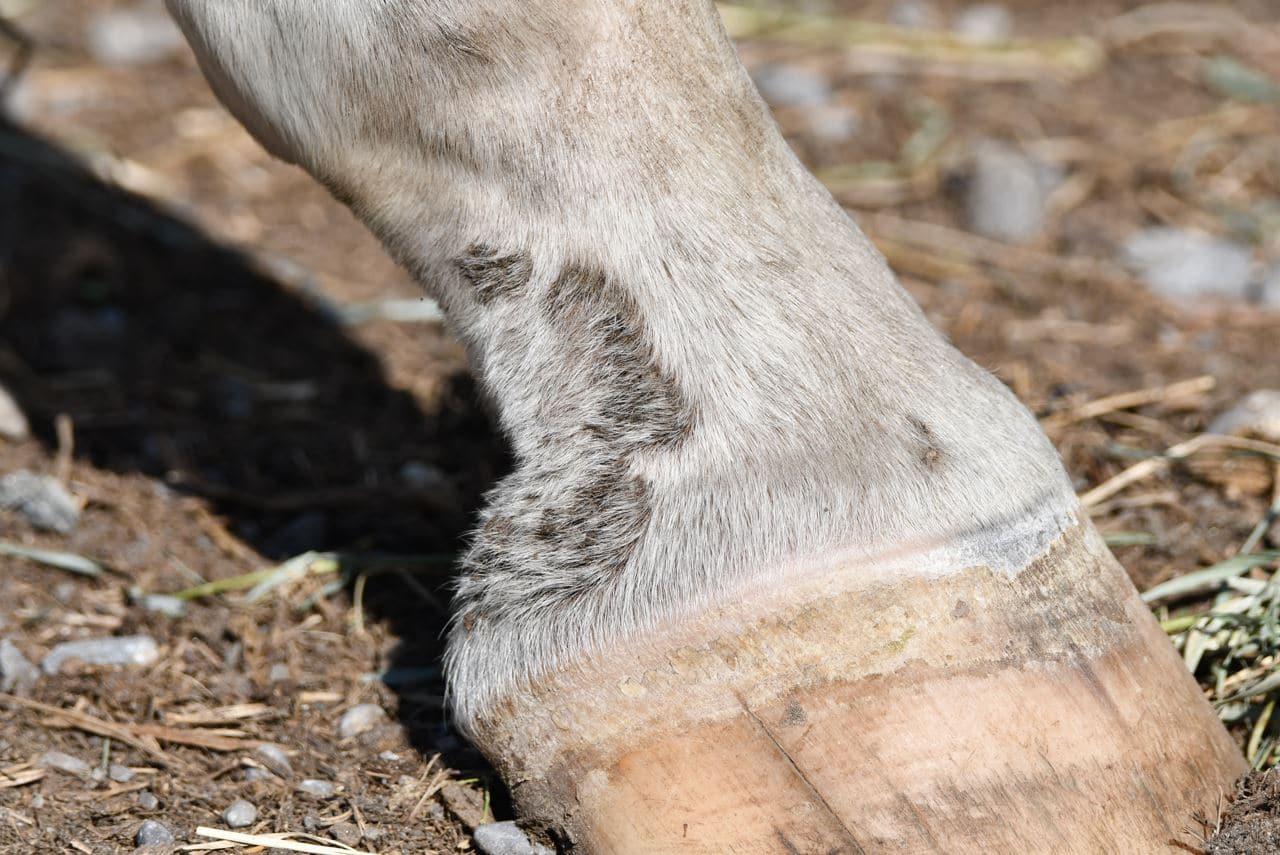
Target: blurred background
[(209, 369)]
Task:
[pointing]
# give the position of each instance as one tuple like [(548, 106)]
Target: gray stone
[(1269, 288), (161, 604), (274, 758), (137, 36), (346, 833), (1006, 193), (240, 814), (16, 671), (506, 838), (983, 23), (152, 833), (1256, 414), (279, 673), (1185, 265), (915, 15), (786, 85), (13, 422), (317, 788), (136, 650), (120, 774), (834, 123), (147, 800), (64, 763), (42, 500), (360, 719)]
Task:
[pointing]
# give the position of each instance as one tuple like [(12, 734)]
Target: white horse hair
[(708, 376)]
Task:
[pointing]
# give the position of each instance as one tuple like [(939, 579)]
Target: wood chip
[(99, 727), (20, 775)]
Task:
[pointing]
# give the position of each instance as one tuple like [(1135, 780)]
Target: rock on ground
[(13, 422), (152, 833), (360, 719), (274, 758), (1257, 413), (506, 838), (318, 788), (786, 85), (1186, 265), (64, 763), (1007, 192), (1269, 288), (43, 500), (834, 123), (240, 814), (135, 36), (16, 671), (137, 650), (985, 22), (915, 15)]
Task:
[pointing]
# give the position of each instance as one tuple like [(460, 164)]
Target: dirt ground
[(169, 324)]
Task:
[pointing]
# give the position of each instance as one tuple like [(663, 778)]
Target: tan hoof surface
[(967, 713)]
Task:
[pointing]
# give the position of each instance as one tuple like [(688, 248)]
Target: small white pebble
[(279, 673), (316, 787), (163, 604), (506, 838), (253, 773), (1256, 414), (138, 650), (1268, 295), (360, 719), (1187, 265), (64, 763), (13, 423), (389, 757), (16, 671), (41, 499), (240, 814), (153, 833), (345, 833), (132, 36), (274, 758), (119, 774), (834, 123), (1007, 192), (986, 22), (914, 15), (785, 85)]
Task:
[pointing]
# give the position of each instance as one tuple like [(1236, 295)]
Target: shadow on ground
[(175, 358)]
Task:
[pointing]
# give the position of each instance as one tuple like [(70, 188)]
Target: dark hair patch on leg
[(931, 454), (564, 525), (598, 317), (494, 274)]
